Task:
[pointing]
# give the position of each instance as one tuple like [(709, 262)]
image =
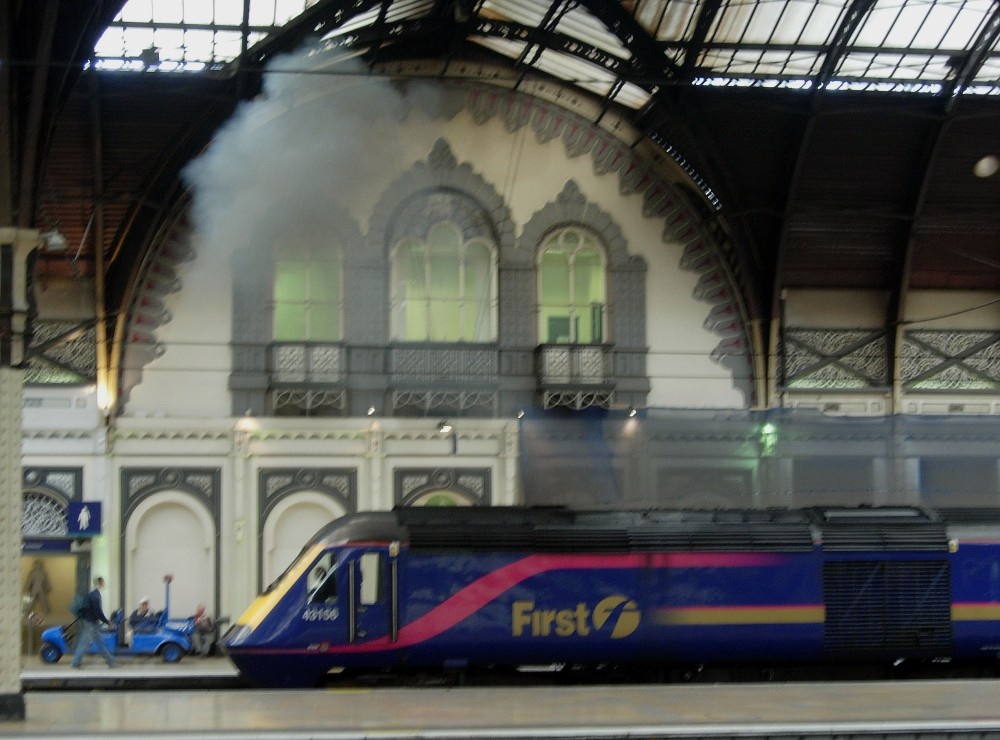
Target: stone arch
[(187, 551), (461, 486), (289, 525), (441, 172), (626, 273)]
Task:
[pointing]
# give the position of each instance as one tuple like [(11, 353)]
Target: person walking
[(91, 615)]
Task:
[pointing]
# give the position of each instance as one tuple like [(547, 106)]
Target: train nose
[(236, 636)]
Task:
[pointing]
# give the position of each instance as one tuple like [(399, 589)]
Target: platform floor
[(140, 672), (941, 708)]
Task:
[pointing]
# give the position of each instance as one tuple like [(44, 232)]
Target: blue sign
[(84, 518), (43, 545)]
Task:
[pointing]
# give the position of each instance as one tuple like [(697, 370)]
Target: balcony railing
[(574, 364), (575, 375), (307, 362), (445, 364)]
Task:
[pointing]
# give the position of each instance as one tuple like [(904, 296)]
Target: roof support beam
[(856, 12), (6, 119), (31, 140), (896, 314), (697, 43), (650, 60), (974, 60)]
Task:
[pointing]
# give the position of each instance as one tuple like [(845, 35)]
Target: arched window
[(444, 287), (572, 290), (308, 294)]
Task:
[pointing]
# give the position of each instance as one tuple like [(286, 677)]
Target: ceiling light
[(986, 166), (54, 241)]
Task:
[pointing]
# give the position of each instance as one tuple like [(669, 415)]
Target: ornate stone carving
[(951, 360), (832, 359), (275, 484), (473, 484)]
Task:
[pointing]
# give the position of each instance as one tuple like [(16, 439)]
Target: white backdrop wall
[(190, 379)]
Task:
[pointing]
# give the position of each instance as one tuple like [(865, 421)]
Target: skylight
[(915, 46), (189, 35)]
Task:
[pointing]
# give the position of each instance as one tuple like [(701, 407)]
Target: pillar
[(17, 249)]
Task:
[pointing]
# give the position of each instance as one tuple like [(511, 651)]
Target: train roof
[(558, 529)]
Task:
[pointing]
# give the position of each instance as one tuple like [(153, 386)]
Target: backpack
[(79, 605)]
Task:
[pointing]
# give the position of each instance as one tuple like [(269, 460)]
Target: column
[(17, 249)]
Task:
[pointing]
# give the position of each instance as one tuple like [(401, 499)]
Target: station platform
[(882, 709), (130, 672)]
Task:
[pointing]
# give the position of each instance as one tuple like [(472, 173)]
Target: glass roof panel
[(574, 22), (173, 35), (570, 68), (397, 11), (896, 44)]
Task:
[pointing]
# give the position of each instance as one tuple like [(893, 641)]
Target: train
[(457, 589)]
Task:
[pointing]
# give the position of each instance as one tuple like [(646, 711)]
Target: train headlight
[(237, 634)]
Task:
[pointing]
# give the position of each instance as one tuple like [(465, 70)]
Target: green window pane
[(325, 281), (325, 322), (444, 289), (410, 271), (290, 281), (588, 277), (445, 243), (445, 240), (553, 298), (477, 311), (415, 326), (554, 281), (289, 322)]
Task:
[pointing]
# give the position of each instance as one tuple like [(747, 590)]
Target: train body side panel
[(669, 608), (475, 608), (718, 607), (976, 599)]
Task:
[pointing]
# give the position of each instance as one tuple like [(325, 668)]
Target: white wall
[(191, 377)]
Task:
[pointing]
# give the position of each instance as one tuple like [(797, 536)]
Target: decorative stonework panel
[(577, 364), (46, 494), (308, 402), (835, 359), (43, 516), (951, 360), (138, 484), (472, 484), (447, 401), (302, 362), (147, 313), (61, 352), (449, 364), (275, 484)]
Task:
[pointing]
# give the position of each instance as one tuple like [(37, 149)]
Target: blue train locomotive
[(488, 587)]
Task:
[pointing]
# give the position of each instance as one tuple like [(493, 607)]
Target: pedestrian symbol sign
[(83, 518)]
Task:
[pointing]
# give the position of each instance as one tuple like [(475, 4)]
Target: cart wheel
[(171, 652), (50, 653)]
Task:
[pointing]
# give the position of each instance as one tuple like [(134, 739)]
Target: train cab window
[(370, 572), (321, 580)]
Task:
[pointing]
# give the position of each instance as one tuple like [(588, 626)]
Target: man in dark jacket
[(90, 616)]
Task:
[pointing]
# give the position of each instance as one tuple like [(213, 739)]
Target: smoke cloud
[(315, 136)]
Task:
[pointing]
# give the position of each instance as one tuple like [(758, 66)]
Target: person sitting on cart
[(204, 632), (142, 619)]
